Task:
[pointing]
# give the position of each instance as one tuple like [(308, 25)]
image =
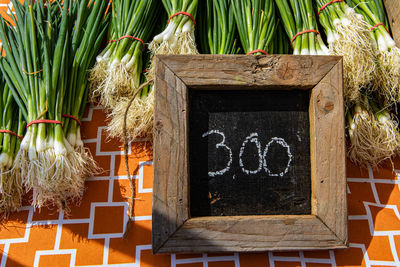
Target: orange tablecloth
[(91, 235)]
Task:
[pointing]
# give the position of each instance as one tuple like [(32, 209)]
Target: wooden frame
[(393, 14), (174, 231)]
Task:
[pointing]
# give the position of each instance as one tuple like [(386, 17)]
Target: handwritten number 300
[(262, 161)]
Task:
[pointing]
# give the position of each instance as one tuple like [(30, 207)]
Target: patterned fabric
[(91, 233)]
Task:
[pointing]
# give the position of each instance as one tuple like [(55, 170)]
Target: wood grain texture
[(328, 153), (170, 196), (173, 229), (240, 71), (393, 13), (252, 233)]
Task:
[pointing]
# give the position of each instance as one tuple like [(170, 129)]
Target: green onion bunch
[(119, 66), (118, 72), (217, 27), (373, 133), (12, 126), (387, 77), (256, 22), (348, 36), (48, 55), (298, 16), (178, 37), (374, 14)]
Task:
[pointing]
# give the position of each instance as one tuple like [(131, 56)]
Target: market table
[(91, 233)]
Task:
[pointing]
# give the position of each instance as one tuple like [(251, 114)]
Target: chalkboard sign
[(249, 152)]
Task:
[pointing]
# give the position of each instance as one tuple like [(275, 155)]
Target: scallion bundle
[(387, 76), (217, 27), (374, 133), (301, 26), (118, 72), (256, 22), (178, 37), (12, 127), (118, 69), (348, 36), (48, 55)]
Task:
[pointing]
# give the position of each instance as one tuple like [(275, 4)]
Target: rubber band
[(130, 37), (258, 51), (183, 13), (327, 4), (300, 33), (32, 73), (12, 133), (377, 25), (72, 117), (43, 121)]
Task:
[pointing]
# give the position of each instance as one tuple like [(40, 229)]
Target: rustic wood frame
[(393, 13), (174, 231)]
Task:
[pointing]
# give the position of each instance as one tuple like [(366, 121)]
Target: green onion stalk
[(47, 57), (118, 69), (178, 37), (281, 43), (217, 27), (348, 36), (12, 129), (387, 77), (373, 131), (298, 16), (256, 22)]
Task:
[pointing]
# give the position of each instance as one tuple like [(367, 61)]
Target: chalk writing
[(262, 157), (252, 138), (283, 143), (222, 144)]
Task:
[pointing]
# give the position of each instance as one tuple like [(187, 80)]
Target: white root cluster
[(111, 79), (174, 40), (387, 78), (373, 139), (115, 86), (139, 122), (353, 41), (10, 185), (55, 171), (115, 92), (11, 189)]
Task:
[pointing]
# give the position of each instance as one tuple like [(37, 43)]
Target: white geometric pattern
[(389, 234), (205, 259), (301, 259)]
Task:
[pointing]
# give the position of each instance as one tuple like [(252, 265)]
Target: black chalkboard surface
[(249, 152)]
